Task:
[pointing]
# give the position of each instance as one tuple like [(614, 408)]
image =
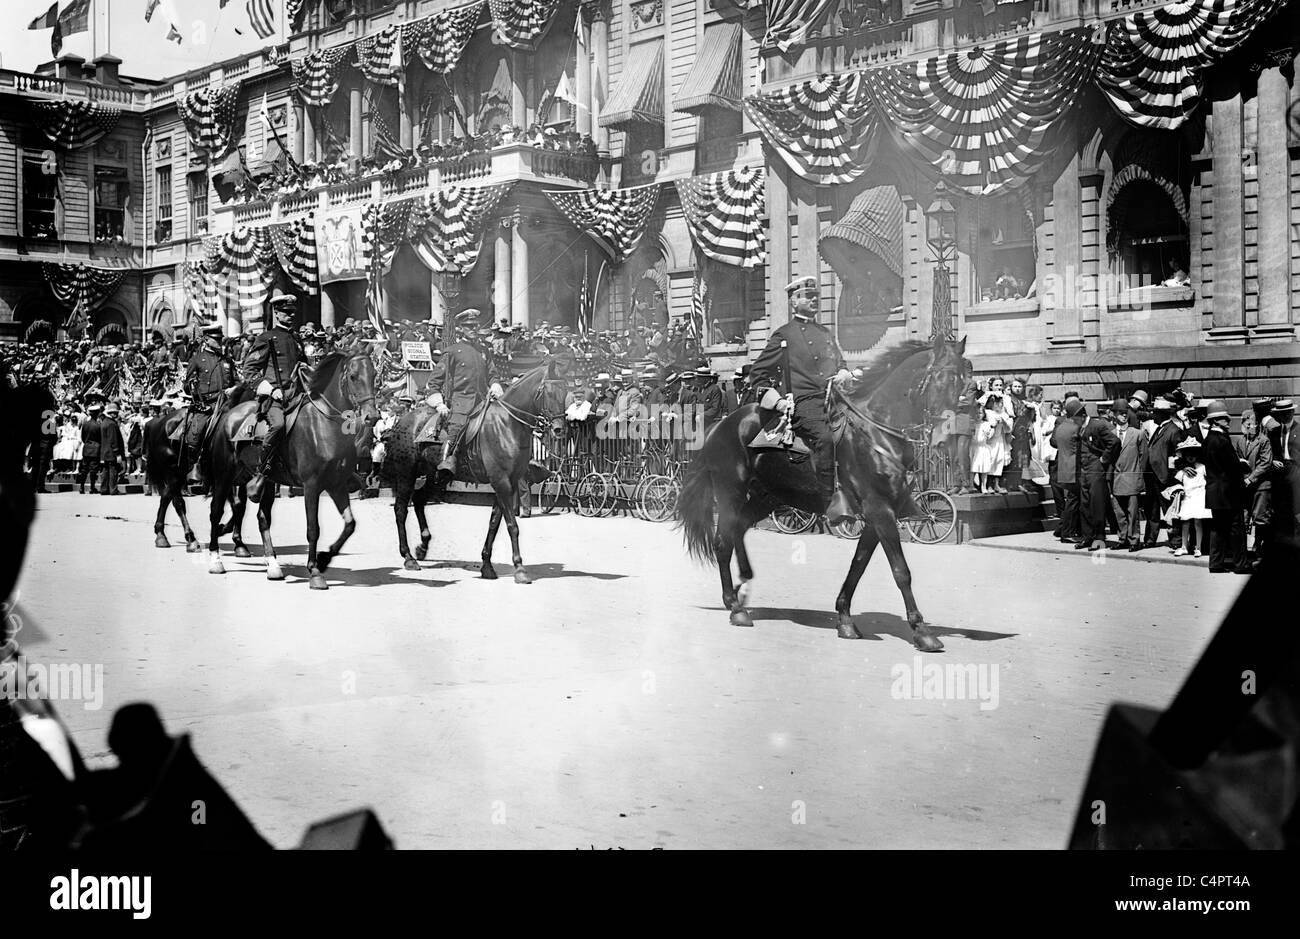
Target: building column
[(582, 77), (354, 122), (1274, 239), (518, 90), (326, 307), (778, 254), (519, 313), (1066, 329), (309, 154), (501, 276), (367, 125), (437, 302), (599, 76), (404, 134), (1229, 243), (299, 132)]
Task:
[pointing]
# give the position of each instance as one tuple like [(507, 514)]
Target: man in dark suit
[(90, 441), (1284, 442), (1065, 438), (111, 449), (1225, 493), (1158, 474), (1099, 447), (1259, 486)]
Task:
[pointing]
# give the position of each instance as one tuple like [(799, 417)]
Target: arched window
[(1146, 210)]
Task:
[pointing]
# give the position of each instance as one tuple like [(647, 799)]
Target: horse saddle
[(254, 428), (777, 433)]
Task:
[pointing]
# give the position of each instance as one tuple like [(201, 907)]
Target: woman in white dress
[(68, 445), (991, 444)]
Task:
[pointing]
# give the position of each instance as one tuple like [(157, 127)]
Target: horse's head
[(358, 385), (551, 397), (946, 375)]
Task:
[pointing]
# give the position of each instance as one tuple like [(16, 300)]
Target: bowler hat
[(1215, 409), (1074, 407), (1141, 397)]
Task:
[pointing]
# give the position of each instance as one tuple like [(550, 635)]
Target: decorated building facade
[(1096, 194)]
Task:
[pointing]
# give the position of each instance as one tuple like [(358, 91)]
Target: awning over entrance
[(639, 97), (714, 79)]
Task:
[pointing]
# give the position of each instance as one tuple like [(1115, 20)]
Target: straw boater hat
[(1191, 443), (1283, 408)]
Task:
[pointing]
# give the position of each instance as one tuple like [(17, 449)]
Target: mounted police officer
[(208, 375), (161, 364), (269, 367), (457, 386), (791, 375)]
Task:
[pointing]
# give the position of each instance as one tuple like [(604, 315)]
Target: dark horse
[(169, 464), (319, 453), (873, 456), (30, 412), (498, 455)]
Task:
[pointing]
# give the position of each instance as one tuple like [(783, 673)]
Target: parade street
[(610, 704)]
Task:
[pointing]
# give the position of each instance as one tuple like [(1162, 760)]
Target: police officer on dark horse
[(456, 388), (868, 460), (270, 367)]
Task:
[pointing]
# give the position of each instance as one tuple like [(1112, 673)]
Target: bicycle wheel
[(850, 529), (659, 498), (548, 493), (637, 498), (613, 494), (589, 495), (793, 521), (937, 520)]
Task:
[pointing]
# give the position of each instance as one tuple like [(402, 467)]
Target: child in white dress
[(1191, 509)]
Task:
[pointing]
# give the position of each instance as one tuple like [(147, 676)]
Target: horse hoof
[(925, 641), (216, 567), (242, 552), (161, 542), (318, 582), (411, 564), (488, 573), (323, 560), (741, 618), (193, 547), (273, 572), (521, 577), (849, 631)]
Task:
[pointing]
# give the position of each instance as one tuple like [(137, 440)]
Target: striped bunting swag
[(316, 76), (200, 291), (825, 129), (788, 21), (982, 116), (1150, 69), (724, 212), (73, 125), (380, 56), (209, 116), (614, 218), (450, 233), (246, 255), (520, 24), (295, 249), (80, 287), (439, 40)]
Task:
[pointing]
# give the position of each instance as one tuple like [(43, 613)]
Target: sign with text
[(417, 354)]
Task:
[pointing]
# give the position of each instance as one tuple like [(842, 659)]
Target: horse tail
[(695, 511)]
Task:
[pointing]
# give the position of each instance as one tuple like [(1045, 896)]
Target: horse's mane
[(888, 360), (530, 379), (322, 375)]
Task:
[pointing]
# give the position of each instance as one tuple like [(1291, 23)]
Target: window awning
[(715, 78), (639, 97)]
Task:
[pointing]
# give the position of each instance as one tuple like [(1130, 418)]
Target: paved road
[(610, 703)]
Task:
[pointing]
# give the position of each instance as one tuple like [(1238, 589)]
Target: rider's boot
[(447, 465), (839, 506), (259, 481)]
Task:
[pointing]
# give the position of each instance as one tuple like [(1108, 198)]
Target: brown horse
[(873, 457), (498, 455), (319, 453)]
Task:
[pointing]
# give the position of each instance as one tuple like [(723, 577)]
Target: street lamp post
[(941, 234)]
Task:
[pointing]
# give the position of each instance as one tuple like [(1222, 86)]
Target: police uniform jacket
[(461, 377), (799, 359), (209, 374), (272, 356)]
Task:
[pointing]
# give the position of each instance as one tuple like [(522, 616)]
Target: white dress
[(1193, 504), (68, 446), (990, 447)]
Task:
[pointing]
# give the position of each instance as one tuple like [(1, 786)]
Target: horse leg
[(843, 603), (487, 570), (344, 506), (238, 503), (506, 499), (273, 570), (215, 509), (311, 500), (419, 501), (723, 546), (400, 499), (192, 545), (160, 523), (887, 530), (752, 512)]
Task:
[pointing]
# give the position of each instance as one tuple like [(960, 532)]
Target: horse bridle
[(339, 416), (519, 416)]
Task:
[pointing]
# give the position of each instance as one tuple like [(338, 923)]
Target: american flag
[(316, 75), (295, 248), (371, 224), (73, 125), (261, 13), (209, 115), (519, 24), (584, 300)]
